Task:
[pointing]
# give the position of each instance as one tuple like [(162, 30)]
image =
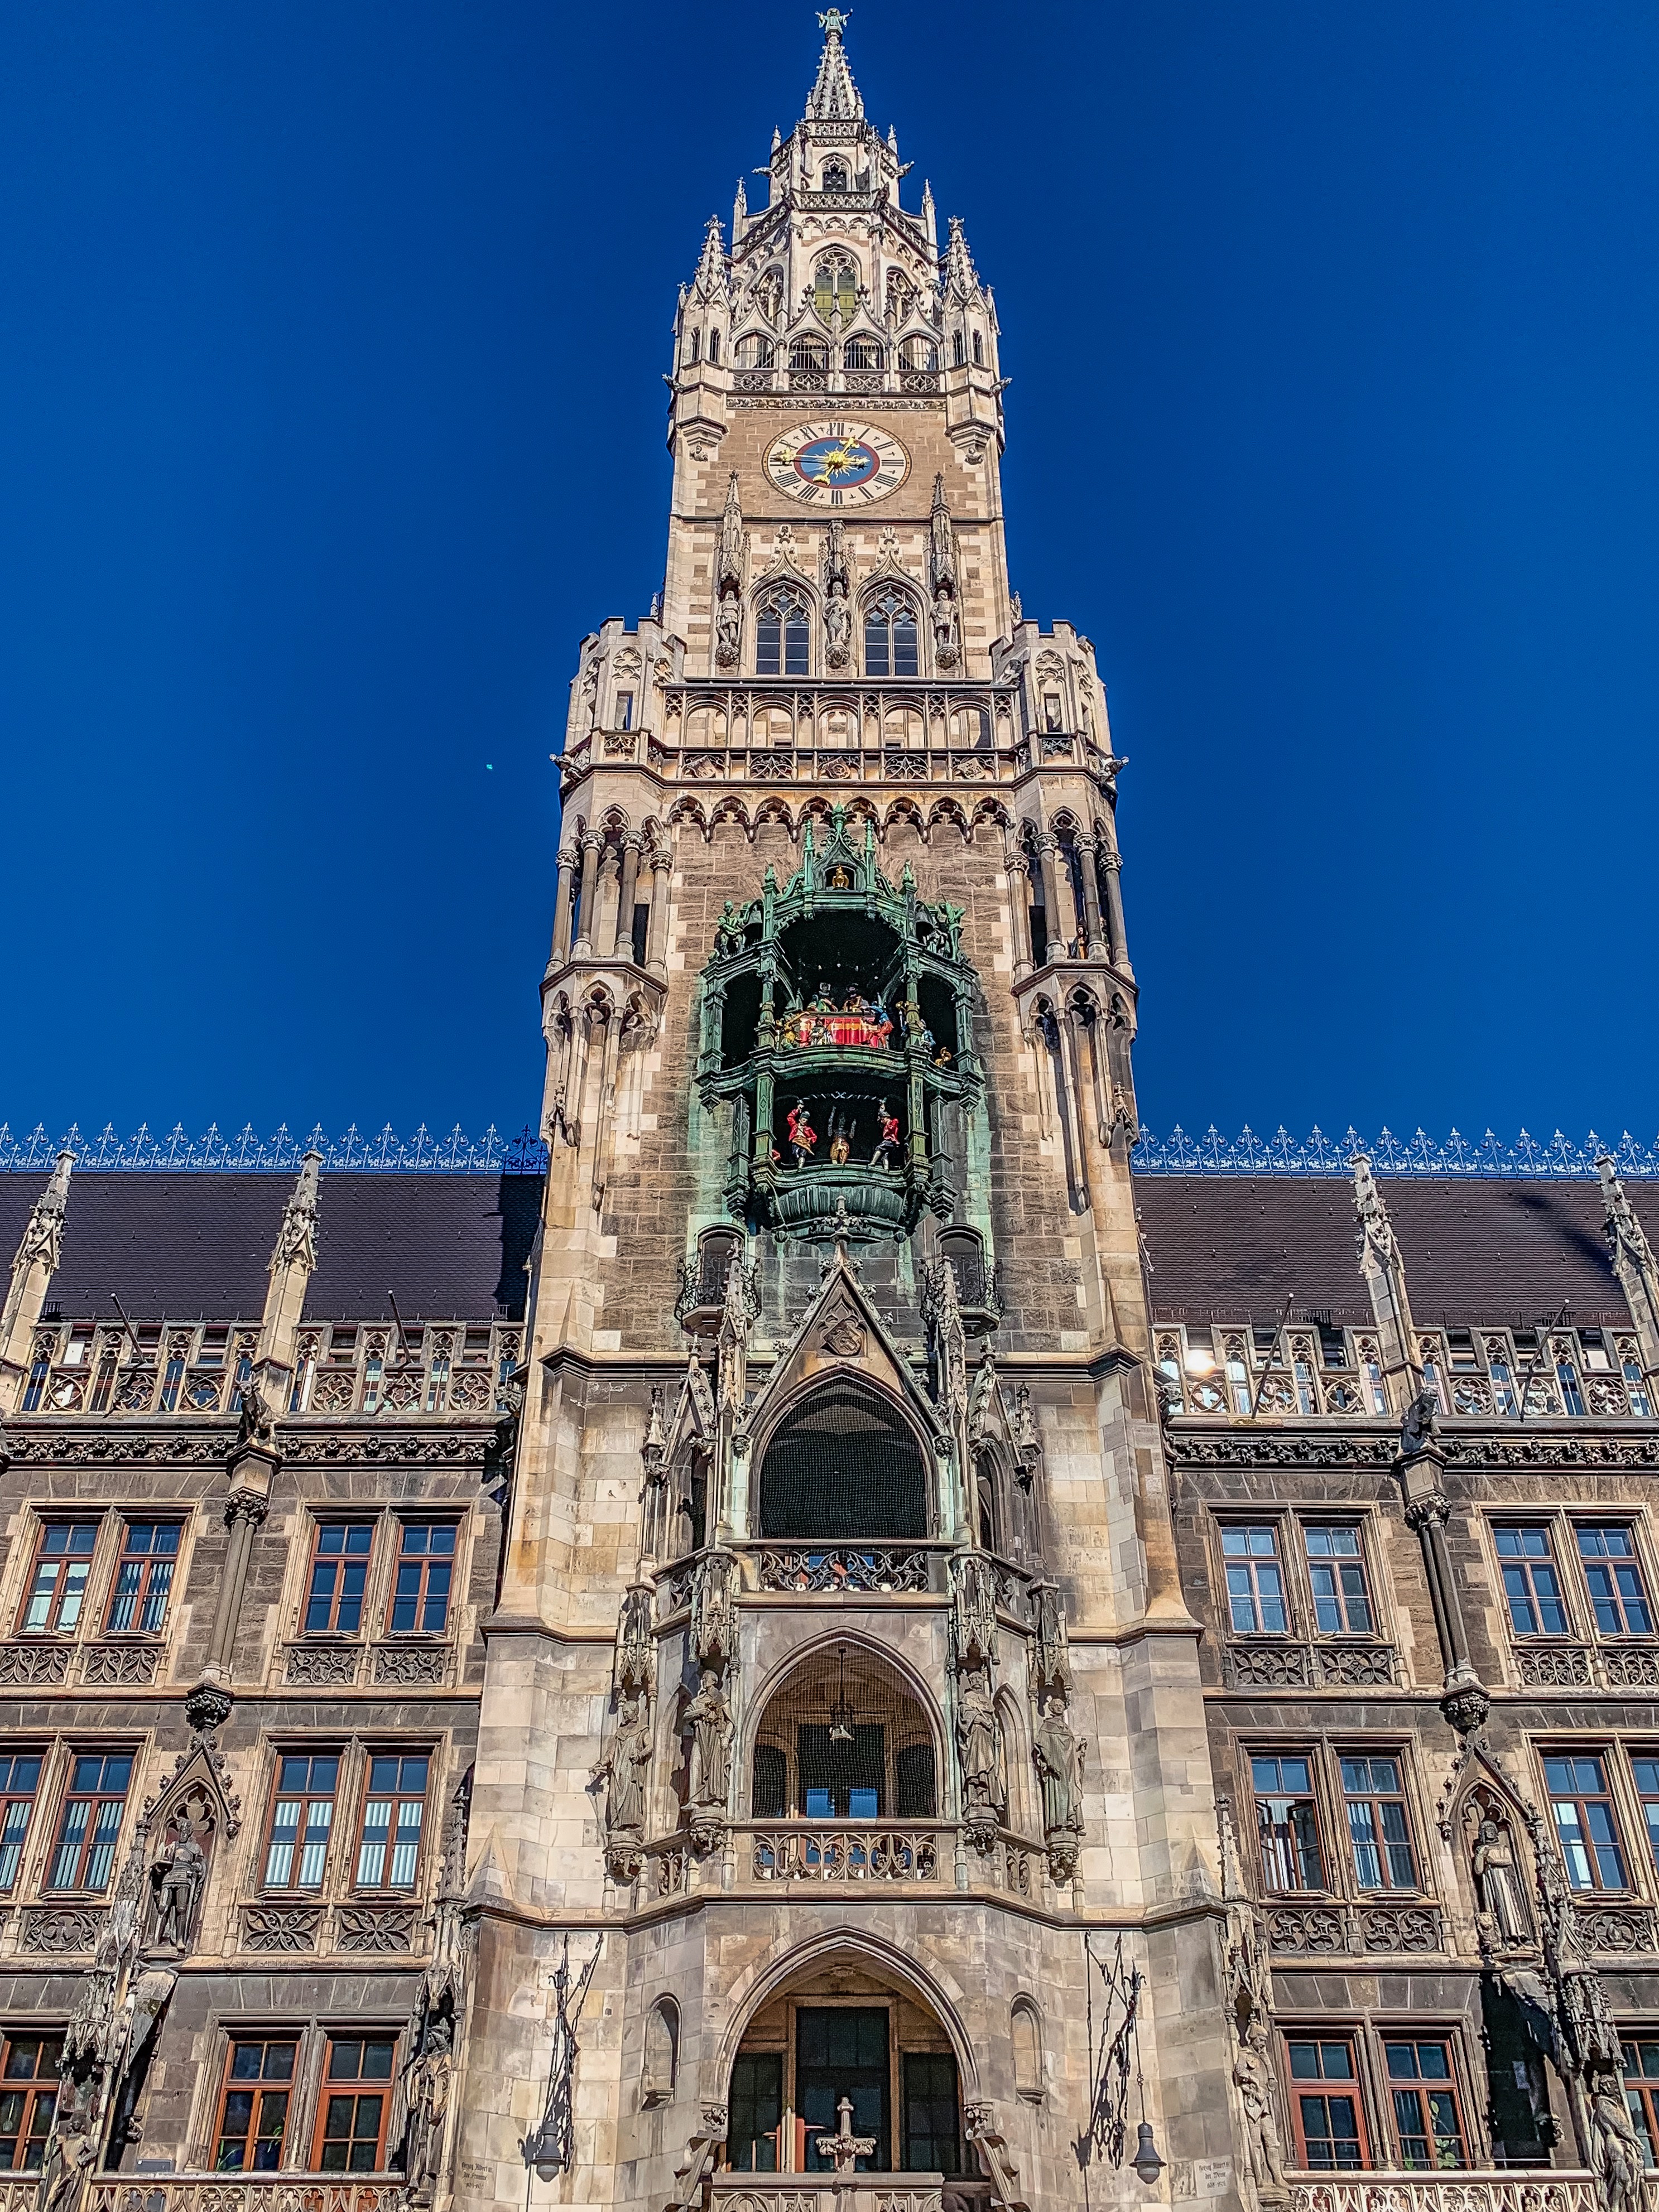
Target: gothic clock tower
[(841, 1760)]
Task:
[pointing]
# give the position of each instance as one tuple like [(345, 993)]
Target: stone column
[(1055, 948), (1422, 1478), (624, 944), (244, 1511), (1095, 946), (656, 946), (590, 848), (1118, 951), (1019, 906), (561, 907)]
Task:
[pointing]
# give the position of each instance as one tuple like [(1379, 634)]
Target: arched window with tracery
[(890, 635), (844, 1464), (782, 634), (834, 179), (835, 285)]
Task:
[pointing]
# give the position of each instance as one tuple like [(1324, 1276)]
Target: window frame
[(1548, 1524), (1307, 1525), (1602, 1754), (11, 1796), (396, 1796), (356, 2085), (306, 1796), (1307, 1754), (1322, 2032), (149, 1561), (1582, 1525), (1396, 1754), (1640, 2087), (426, 1561), (773, 603), (52, 1630), (35, 2091), (1418, 2033), (881, 609), (69, 1793), (332, 1631), (1244, 1563), (236, 2039)]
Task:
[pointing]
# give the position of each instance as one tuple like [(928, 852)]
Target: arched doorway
[(843, 1738), (843, 1465), (843, 2030)]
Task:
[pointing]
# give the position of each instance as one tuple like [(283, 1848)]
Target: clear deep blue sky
[(330, 418)]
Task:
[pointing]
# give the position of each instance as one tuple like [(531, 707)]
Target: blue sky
[(330, 418)]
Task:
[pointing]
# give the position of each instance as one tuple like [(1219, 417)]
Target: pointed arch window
[(835, 177), (864, 353), (782, 634), (979, 350), (835, 285), (713, 349), (755, 351), (809, 353), (919, 353), (958, 350), (890, 635)]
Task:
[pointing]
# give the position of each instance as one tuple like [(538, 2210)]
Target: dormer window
[(836, 286), (890, 637), (835, 177), (782, 634)]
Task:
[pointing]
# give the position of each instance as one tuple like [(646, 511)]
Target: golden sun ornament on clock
[(837, 464)]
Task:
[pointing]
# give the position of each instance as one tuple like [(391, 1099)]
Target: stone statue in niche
[(1055, 1747), (178, 1873), (1502, 1918), (1618, 2148), (980, 1749), (427, 2085), (837, 629), (625, 1767), (1253, 2075), (708, 1724), (728, 633), (945, 642)]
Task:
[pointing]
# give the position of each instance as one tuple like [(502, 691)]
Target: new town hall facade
[(815, 1640)]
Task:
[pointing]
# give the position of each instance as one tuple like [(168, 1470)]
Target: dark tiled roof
[(188, 1246), (1475, 1251)]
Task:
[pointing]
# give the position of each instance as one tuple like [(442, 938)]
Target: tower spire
[(834, 97), (709, 281)]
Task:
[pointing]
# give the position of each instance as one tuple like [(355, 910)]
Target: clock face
[(837, 464)]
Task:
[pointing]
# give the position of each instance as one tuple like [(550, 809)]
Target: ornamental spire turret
[(709, 283), (39, 1251), (1383, 1266), (1633, 1262), (834, 97), (292, 1261), (960, 278)]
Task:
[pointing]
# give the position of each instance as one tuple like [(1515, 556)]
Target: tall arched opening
[(844, 1464), (843, 2028)]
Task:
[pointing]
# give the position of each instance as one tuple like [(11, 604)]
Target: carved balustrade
[(850, 1569), (781, 1851), (1519, 2189), (1279, 1662), (224, 2192), (854, 2192)]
